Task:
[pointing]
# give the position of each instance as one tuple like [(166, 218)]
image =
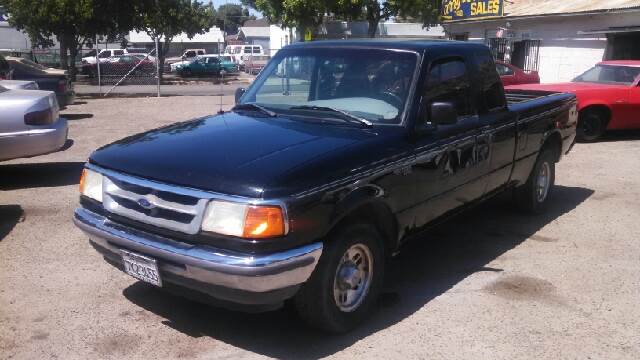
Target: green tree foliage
[(302, 14), (165, 19), (311, 13), (73, 22), (231, 16)]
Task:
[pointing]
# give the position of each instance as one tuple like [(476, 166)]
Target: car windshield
[(610, 74), (371, 84)]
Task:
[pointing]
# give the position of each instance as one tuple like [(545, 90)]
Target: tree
[(73, 22), (165, 19), (301, 14), (305, 14), (231, 17)]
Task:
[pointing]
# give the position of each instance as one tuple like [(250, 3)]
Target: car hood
[(238, 154), (564, 87)]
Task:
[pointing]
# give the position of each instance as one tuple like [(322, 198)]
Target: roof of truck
[(408, 44)]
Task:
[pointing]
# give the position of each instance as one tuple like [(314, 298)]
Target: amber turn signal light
[(263, 222), (82, 179)]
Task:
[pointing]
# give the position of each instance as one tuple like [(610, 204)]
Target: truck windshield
[(610, 74), (372, 84)]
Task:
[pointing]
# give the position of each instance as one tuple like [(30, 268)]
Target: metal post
[(157, 66), (222, 72), (98, 67)]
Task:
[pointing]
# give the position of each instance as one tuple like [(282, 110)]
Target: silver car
[(19, 84), (30, 124)]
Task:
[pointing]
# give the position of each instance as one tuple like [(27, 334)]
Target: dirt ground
[(490, 284)]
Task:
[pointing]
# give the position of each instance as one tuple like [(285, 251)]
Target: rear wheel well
[(554, 143), (378, 215), (604, 110)]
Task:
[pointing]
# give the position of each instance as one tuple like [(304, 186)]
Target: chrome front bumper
[(201, 266)]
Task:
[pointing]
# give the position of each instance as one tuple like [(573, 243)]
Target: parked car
[(19, 85), (241, 53), (316, 176), (513, 75), (122, 65), (49, 79), (608, 97), (187, 55), (206, 65), (29, 124), (103, 55), (255, 64), (106, 54), (5, 69)]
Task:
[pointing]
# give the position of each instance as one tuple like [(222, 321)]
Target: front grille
[(151, 203)]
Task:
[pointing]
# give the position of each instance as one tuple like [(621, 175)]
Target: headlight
[(244, 220), (91, 184)]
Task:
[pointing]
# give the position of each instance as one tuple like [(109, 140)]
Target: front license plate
[(141, 267)]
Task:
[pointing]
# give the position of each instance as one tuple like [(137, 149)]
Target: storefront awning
[(611, 31)]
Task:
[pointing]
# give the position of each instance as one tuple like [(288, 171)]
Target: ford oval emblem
[(145, 203)]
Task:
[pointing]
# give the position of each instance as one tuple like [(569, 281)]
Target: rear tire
[(533, 196), (348, 279), (591, 125)]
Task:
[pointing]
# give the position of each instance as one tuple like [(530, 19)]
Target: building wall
[(279, 38), (563, 53), (11, 38)]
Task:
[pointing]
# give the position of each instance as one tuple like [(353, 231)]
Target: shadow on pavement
[(10, 215), (76, 116), (425, 268), (24, 176), (620, 135)]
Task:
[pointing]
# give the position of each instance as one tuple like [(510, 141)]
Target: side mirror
[(239, 93), (443, 113)]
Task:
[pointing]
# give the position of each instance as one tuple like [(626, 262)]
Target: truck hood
[(237, 154), (565, 87)]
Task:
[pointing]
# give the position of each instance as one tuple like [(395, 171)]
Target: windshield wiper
[(254, 106), (348, 116)]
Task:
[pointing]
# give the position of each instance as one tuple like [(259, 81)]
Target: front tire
[(343, 288), (533, 196), (591, 125)]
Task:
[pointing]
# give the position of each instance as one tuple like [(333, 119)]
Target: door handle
[(621, 101)]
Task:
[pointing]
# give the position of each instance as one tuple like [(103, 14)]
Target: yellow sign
[(307, 35), (471, 9)]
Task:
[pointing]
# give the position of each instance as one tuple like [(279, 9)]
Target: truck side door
[(497, 137), (446, 169)]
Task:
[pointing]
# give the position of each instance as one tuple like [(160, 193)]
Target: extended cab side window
[(448, 81), (492, 97)]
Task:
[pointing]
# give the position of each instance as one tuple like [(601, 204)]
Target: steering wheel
[(392, 99)]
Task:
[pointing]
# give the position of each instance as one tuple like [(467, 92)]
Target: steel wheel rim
[(353, 276), (590, 125), (543, 181)]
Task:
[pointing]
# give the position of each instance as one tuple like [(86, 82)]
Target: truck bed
[(535, 102), (518, 96)]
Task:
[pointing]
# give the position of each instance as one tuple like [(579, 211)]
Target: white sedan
[(30, 124), (19, 84)]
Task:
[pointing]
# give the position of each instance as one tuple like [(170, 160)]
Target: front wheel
[(533, 196), (343, 288)]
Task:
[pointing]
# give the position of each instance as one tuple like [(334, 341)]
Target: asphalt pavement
[(489, 284)]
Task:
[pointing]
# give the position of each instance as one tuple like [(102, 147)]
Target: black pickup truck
[(337, 154)]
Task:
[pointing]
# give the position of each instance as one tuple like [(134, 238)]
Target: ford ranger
[(337, 154)]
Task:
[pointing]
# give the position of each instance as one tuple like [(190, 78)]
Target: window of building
[(460, 37)]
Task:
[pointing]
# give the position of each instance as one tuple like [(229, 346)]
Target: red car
[(608, 97), (511, 75)]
